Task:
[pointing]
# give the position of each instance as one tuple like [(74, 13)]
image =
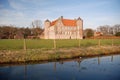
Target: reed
[(9, 56)]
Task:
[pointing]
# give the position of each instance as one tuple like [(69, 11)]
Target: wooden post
[(99, 42), (25, 44), (54, 44), (112, 42), (79, 43)]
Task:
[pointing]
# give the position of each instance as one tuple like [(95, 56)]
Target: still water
[(97, 68)]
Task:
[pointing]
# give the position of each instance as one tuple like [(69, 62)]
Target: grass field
[(10, 44), (11, 50)]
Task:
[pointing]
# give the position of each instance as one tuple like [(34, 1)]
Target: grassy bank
[(39, 50), (15, 44), (16, 56)]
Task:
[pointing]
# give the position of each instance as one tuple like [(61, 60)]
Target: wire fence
[(51, 44)]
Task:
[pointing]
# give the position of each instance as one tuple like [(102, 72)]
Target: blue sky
[(93, 12)]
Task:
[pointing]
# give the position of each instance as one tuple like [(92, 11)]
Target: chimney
[(61, 17), (47, 20), (79, 18)]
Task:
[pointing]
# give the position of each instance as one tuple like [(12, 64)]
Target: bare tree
[(116, 28), (104, 29), (37, 28), (109, 30), (37, 24)]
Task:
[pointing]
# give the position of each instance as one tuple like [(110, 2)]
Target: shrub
[(117, 34)]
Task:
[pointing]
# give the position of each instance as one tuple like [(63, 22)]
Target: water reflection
[(54, 66), (97, 68), (98, 60), (112, 58), (25, 67)]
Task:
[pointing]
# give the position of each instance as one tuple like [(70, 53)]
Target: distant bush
[(88, 33), (117, 34)]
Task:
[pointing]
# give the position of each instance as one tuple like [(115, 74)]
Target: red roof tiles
[(53, 23), (66, 22)]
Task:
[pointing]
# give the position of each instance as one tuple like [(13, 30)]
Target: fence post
[(99, 43), (79, 43), (24, 44), (54, 44), (112, 42)]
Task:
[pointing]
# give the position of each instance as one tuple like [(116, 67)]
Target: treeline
[(11, 32), (106, 30), (110, 30), (36, 31)]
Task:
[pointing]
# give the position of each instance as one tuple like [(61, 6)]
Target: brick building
[(63, 29)]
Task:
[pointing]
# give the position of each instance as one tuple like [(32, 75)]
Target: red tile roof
[(97, 32), (66, 22), (53, 22)]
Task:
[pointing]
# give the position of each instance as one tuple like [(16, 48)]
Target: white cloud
[(25, 11)]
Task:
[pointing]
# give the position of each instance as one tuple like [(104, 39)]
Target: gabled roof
[(66, 22), (53, 22)]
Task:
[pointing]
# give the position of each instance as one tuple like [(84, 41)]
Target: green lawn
[(48, 44)]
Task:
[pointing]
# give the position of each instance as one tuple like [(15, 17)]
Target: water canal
[(97, 68)]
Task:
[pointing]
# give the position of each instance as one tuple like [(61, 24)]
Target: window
[(70, 33)]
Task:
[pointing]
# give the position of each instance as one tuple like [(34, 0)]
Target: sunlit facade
[(63, 29)]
